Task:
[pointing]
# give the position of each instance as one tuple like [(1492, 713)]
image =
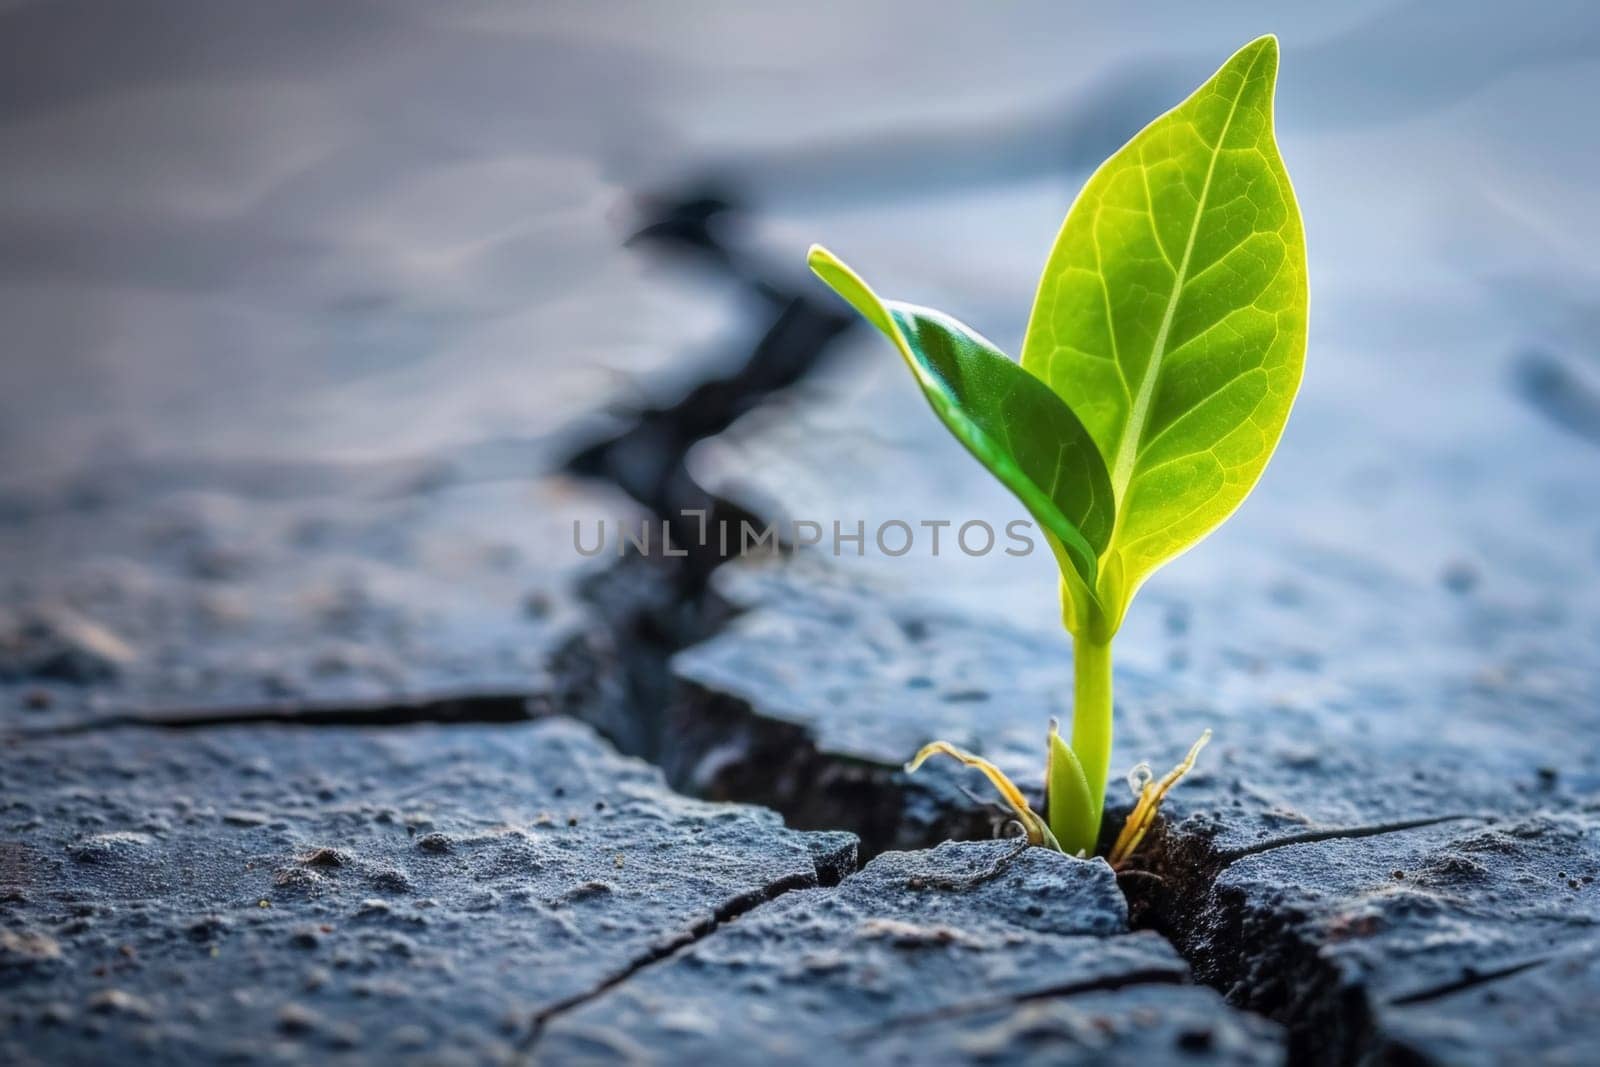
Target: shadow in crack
[(647, 456)]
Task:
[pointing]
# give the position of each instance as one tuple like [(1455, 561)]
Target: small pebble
[(436, 842)]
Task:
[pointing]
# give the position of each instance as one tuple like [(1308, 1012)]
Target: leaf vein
[(1133, 429)]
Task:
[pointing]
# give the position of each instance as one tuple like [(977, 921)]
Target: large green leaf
[(1008, 419), (1172, 317)]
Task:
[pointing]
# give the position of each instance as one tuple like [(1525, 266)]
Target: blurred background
[(244, 244)]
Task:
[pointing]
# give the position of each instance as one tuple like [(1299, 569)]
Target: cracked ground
[(320, 741)]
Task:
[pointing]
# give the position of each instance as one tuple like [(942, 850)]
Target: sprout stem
[(1091, 718)]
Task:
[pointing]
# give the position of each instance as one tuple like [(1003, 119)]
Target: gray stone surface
[(291, 894), (1462, 941), (184, 599), (968, 953), (1136, 1024), (231, 243), (1543, 1014), (1276, 866)]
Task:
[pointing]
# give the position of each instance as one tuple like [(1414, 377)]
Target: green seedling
[(1161, 359)]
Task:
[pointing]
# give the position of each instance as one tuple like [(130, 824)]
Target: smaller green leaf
[(1011, 421), (1073, 816)]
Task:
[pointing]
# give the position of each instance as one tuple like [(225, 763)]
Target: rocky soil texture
[(320, 742)]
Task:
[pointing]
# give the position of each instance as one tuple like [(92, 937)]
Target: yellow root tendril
[(1151, 793), (1037, 830)]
